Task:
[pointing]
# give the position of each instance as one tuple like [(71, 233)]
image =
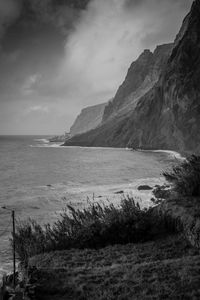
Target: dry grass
[(94, 227), (164, 269)]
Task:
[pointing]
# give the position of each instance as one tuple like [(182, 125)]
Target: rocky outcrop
[(60, 138), (167, 115), (88, 119)]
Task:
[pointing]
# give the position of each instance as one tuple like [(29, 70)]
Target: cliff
[(141, 77), (88, 119), (167, 115)]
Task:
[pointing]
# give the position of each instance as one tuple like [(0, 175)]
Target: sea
[(38, 179)]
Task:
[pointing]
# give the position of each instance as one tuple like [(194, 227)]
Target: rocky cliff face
[(88, 119), (167, 116), (141, 77)]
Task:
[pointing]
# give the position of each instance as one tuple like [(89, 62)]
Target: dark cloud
[(61, 13), (135, 4), (9, 12)]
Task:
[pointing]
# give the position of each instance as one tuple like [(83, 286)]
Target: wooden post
[(14, 263)]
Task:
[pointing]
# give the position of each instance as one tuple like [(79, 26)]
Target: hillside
[(165, 268), (167, 115), (88, 119)]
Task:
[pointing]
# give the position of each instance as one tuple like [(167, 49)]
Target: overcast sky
[(59, 56)]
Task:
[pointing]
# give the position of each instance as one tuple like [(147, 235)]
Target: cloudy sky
[(58, 56)]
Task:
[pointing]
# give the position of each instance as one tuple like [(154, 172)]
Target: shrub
[(185, 177), (94, 227)]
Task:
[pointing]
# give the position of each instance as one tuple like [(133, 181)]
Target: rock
[(141, 77), (49, 185), (144, 188), (60, 138), (120, 192)]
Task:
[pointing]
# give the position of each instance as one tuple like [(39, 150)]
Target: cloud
[(98, 51), (29, 83), (9, 11), (37, 108), (60, 13), (107, 38)]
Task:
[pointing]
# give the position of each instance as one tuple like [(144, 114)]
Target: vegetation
[(185, 177), (161, 192), (94, 227), (167, 268), (98, 225)]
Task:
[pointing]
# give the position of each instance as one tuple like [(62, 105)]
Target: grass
[(185, 177), (94, 227), (167, 268)]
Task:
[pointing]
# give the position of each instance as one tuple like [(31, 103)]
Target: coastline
[(175, 154), (47, 193), (172, 153)]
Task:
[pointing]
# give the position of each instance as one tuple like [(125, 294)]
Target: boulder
[(144, 188)]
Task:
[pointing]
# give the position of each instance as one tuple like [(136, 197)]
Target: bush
[(94, 227), (185, 177)]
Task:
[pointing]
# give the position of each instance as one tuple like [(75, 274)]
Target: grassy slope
[(167, 268)]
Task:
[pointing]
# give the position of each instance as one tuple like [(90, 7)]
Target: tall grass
[(94, 227), (185, 177)]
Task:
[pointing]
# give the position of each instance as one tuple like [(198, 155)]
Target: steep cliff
[(168, 115), (88, 119), (141, 77)]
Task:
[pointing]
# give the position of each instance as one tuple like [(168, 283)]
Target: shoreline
[(175, 154), (172, 153)]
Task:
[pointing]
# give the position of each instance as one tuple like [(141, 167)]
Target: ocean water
[(38, 179)]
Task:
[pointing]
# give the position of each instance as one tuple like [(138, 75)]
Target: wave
[(173, 154), (46, 146), (42, 140), (74, 188), (94, 148)]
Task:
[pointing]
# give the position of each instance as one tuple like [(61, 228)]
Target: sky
[(59, 56)]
